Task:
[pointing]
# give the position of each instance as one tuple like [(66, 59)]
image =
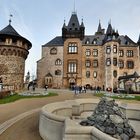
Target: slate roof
[(10, 31), (58, 41)]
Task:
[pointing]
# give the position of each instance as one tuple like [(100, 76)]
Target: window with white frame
[(88, 63), (72, 67), (95, 52), (108, 49), (95, 63), (108, 61), (114, 49), (129, 53), (72, 47), (88, 52), (121, 53)]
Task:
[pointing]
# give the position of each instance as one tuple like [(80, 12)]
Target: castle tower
[(13, 53), (72, 35), (111, 57)]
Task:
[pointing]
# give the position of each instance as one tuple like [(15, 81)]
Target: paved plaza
[(19, 120)]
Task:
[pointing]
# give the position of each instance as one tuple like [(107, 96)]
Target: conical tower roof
[(99, 28), (10, 31), (109, 29), (73, 22)]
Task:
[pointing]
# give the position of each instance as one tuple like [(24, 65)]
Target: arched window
[(58, 62), (53, 51)]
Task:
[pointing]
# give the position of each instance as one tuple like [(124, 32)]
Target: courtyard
[(19, 119)]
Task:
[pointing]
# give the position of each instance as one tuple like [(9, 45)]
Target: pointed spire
[(109, 28), (64, 25), (73, 22), (82, 23), (99, 27)]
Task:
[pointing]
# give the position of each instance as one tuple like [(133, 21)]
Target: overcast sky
[(41, 20)]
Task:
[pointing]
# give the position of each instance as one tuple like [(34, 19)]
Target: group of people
[(79, 89), (82, 89)]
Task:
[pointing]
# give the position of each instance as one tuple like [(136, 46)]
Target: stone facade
[(13, 52), (88, 60)]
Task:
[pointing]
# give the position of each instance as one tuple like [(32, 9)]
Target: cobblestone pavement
[(27, 127)]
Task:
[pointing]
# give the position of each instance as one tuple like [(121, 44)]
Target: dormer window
[(94, 41), (87, 41)]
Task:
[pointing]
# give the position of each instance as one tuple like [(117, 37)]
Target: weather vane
[(10, 16)]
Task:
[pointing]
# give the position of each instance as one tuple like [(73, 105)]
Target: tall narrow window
[(129, 53), (95, 74), (88, 74), (88, 63), (108, 49), (72, 48), (95, 52), (114, 49), (115, 61), (72, 67), (88, 52), (121, 64), (95, 63), (121, 53), (108, 61)]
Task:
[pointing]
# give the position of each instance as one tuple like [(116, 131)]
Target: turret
[(111, 34), (74, 29), (100, 31), (13, 52)]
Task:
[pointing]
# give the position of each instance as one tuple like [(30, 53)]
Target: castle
[(87, 60), (13, 52)]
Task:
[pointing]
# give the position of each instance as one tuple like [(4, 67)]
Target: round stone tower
[(13, 53)]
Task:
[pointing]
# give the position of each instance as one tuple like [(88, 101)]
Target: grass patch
[(15, 97), (120, 96)]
